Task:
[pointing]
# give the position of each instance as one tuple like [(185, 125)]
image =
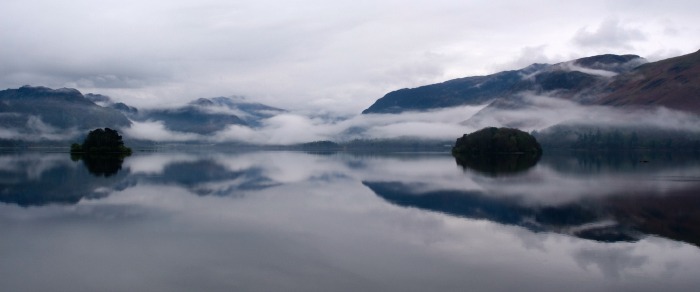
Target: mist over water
[(346, 222), (529, 112), (289, 128)]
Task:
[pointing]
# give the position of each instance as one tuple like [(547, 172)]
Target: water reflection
[(102, 164), (498, 164), (580, 220), (600, 197), (36, 179), (343, 222), (205, 175)]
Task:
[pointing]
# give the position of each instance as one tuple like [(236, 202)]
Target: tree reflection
[(37, 180), (101, 164), (495, 164)]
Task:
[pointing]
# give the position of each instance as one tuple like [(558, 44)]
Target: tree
[(102, 141), (497, 140)]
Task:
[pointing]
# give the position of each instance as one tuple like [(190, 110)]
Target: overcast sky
[(334, 56)]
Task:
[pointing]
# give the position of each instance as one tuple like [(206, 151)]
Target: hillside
[(200, 116), (205, 115), (673, 83), (575, 80), (463, 91), (48, 116), (35, 113)]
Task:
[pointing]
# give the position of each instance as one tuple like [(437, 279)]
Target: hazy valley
[(582, 103)]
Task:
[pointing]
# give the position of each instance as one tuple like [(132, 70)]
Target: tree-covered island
[(497, 151), (493, 140), (105, 140)]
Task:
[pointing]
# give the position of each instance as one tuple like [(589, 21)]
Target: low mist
[(290, 128), (539, 112), (530, 113), (32, 128)]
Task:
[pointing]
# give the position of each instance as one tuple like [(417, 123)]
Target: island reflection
[(615, 197), (495, 164), (100, 164), (607, 199), (400, 221)]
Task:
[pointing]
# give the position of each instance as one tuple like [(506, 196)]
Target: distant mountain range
[(44, 114), (611, 80), (202, 116), (40, 113)]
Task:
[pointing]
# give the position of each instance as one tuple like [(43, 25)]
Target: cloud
[(33, 165), (611, 34), (612, 262), (155, 163), (290, 128), (311, 55), (156, 131), (537, 112), (527, 56), (33, 129), (533, 112), (570, 66)]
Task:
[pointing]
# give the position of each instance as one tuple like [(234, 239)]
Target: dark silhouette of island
[(102, 141), (102, 152), (498, 164), (497, 151), (493, 140), (100, 164)]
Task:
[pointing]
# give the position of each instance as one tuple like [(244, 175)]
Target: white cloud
[(541, 112), (36, 130), (535, 112), (156, 131), (312, 55), (610, 34), (291, 128)]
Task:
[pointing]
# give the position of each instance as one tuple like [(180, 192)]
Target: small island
[(497, 151), (493, 140), (101, 141), (102, 152)]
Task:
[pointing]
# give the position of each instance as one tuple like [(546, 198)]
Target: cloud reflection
[(318, 228)]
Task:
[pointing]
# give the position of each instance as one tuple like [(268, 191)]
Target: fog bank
[(528, 112)]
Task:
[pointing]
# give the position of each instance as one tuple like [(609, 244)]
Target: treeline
[(617, 138), (397, 144)]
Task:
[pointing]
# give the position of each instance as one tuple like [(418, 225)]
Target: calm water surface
[(292, 221)]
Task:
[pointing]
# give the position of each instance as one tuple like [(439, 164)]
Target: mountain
[(191, 118), (205, 115), (576, 80), (202, 116), (43, 114), (252, 113), (463, 91), (36, 113), (673, 83)]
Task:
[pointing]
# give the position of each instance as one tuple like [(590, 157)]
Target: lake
[(294, 221)]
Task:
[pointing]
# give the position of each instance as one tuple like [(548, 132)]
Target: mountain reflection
[(411, 219), (581, 220), (205, 176), (587, 196), (593, 197), (35, 179), (39, 179)]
